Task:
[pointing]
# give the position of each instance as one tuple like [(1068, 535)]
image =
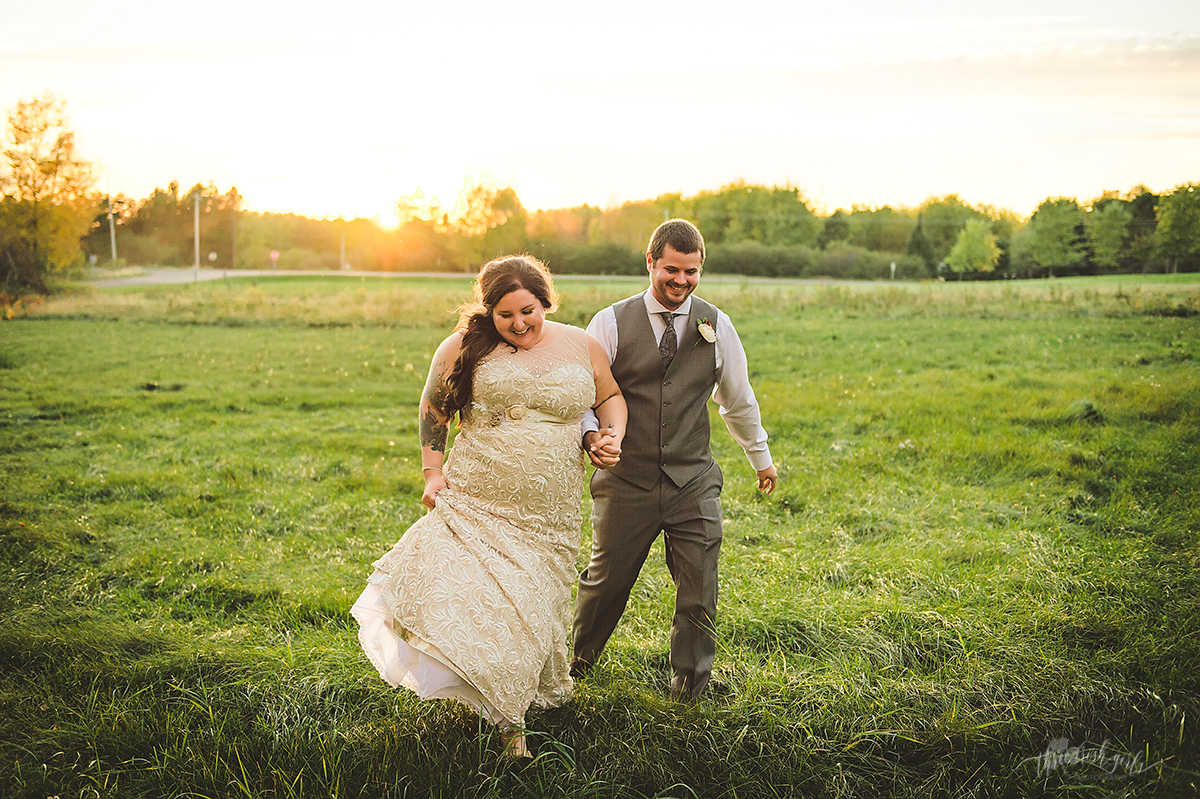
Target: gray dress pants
[(626, 520)]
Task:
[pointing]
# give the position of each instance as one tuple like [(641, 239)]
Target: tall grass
[(984, 541)]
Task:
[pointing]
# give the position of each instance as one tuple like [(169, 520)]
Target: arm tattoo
[(600, 402), (437, 394), (433, 428), (434, 431)]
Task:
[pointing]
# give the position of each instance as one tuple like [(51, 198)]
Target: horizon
[(245, 208), (345, 114)]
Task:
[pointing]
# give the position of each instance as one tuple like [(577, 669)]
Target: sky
[(342, 109)]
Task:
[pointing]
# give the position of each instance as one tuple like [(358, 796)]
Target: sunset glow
[(871, 104)]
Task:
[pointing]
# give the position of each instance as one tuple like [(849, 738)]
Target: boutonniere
[(706, 331)]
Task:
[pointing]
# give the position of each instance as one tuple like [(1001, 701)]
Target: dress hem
[(415, 664)]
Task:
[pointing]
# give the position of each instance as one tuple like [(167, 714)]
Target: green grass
[(985, 538)]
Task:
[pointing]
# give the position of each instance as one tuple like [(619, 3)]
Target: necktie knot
[(669, 344)]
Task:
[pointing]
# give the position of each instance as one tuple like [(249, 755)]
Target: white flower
[(705, 328)]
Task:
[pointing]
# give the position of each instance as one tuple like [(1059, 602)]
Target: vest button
[(664, 424)]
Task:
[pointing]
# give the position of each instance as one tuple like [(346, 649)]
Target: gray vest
[(668, 408)]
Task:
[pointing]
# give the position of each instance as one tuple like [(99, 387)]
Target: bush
[(841, 261), (760, 260), (848, 262), (589, 259), (146, 251)]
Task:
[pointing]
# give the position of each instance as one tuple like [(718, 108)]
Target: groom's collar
[(655, 307)]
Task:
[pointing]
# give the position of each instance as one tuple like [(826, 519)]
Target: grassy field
[(978, 576)]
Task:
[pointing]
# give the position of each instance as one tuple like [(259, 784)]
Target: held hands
[(434, 484), (603, 448), (767, 478)]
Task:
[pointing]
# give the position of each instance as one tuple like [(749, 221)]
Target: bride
[(473, 602)]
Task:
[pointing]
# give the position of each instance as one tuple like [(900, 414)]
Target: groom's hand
[(767, 478), (603, 449)]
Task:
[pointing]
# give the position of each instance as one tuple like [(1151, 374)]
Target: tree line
[(51, 220)]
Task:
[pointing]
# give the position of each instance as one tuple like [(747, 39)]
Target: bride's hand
[(434, 485), (604, 449)]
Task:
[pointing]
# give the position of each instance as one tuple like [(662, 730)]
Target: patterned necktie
[(669, 344)]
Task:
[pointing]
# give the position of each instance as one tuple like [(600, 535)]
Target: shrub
[(307, 259), (758, 260), (589, 259), (848, 262), (148, 251)]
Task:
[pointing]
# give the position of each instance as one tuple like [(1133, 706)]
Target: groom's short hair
[(681, 234)]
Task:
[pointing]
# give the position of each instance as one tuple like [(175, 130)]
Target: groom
[(670, 351)]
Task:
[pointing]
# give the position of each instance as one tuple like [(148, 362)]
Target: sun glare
[(388, 219)]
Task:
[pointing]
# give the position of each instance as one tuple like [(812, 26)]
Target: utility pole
[(112, 231), (233, 232), (196, 226)]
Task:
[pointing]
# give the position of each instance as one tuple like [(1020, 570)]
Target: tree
[(881, 229), (1019, 262), (975, 250), (1052, 239), (837, 228), (99, 238), (1106, 224), (1141, 248), (778, 215), (629, 225), (417, 206), (422, 245), (44, 205), (491, 221), (1179, 225), (510, 235), (942, 218), (563, 225), (218, 228), (919, 245), (165, 218), (1004, 225)]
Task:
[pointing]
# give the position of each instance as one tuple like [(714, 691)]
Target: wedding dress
[(473, 602)]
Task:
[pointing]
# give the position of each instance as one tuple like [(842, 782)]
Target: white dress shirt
[(731, 381)]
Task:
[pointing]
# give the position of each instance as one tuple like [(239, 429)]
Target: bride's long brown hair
[(479, 335)]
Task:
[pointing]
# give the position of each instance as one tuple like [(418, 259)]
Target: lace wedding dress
[(473, 602)]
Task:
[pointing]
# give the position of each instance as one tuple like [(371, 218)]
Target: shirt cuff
[(760, 460)]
